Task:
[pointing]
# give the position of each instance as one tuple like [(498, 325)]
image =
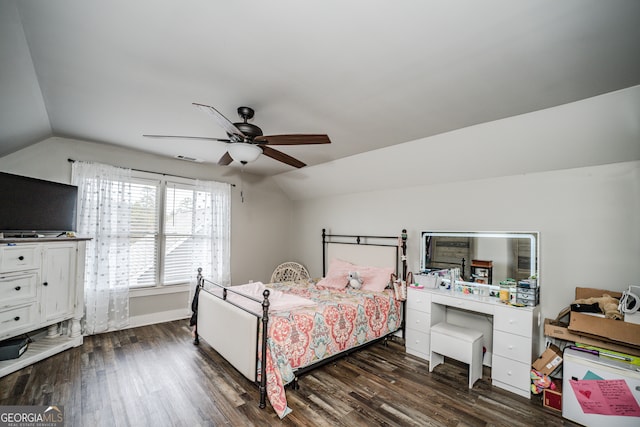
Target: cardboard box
[(555, 329), (593, 292), (552, 399), (613, 330), (549, 361)]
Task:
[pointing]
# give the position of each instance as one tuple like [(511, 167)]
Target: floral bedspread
[(341, 320)]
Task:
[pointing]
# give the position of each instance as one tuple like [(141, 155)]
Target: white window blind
[(144, 233), (178, 240)]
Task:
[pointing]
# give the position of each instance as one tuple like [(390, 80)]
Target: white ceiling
[(367, 73)]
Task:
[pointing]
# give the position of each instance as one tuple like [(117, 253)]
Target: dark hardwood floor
[(154, 376)]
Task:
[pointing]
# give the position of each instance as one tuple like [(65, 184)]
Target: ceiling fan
[(246, 141)]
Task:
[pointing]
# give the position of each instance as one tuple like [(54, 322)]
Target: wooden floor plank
[(155, 376)]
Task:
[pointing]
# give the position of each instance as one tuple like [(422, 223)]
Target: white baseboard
[(159, 317)]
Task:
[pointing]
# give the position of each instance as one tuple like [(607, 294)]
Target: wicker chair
[(288, 272)]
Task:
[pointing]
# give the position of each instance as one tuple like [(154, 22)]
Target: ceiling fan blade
[(226, 124), (206, 138), (292, 139), (280, 156), (226, 159)]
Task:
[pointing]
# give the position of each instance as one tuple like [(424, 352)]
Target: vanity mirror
[(483, 257)]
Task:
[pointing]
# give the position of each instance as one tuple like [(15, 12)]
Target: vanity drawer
[(529, 293), (418, 320), (417, 343), (514, 320), (511, 346), (21, 257), (18, 319), (512, 373), (418, 300), (463, 303), (16, 288)]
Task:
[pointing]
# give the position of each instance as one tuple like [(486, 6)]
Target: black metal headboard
[(400, 242)]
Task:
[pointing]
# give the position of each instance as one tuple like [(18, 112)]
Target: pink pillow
[(374, 279), (336, 277)]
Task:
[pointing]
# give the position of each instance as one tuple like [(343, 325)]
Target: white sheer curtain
[(104, 214), (212, 219)]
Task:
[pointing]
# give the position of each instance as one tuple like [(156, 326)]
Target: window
[(187, 238), (172, 226), (173, 230)]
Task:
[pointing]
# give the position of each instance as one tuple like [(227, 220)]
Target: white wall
[(260, 225)]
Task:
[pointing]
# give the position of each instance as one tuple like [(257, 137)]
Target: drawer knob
[(509, 373), (16, 318), (510, 347), (21, 258), (17, 288), (45, 284)]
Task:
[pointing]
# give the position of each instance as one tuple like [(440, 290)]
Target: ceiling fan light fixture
[(243, 152)]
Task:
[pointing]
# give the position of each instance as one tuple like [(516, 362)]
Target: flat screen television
[(33, 206)]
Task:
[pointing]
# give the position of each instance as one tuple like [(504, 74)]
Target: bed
[(302, 325)]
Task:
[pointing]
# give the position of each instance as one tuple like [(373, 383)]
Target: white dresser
[(417, 332), (515, 332), (41, 295)]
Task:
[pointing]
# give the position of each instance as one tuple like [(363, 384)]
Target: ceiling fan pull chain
[(242, 183)]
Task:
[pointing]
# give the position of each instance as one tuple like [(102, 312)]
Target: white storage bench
[(462, 344)]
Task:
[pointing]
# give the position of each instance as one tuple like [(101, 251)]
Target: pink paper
[(605, 397)]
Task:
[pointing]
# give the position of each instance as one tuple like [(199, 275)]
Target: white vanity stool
[(462, 344)]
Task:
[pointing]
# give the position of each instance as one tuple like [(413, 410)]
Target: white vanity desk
[(515, 332)]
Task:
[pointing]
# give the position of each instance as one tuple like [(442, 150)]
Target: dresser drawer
[(513, 320), (417, 343), (418, 321), (21, 257), (464, 303), (418, 300), (512, 373), (17, 288), (18, 319), (511, 346)]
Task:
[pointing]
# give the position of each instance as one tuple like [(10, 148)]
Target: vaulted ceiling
[(367, 73)]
